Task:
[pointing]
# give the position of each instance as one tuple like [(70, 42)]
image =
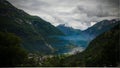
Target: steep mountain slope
[(33, 30), (102, 51), (68, 30), (75, 36), (100, 27), (107, 46), (82, 38)]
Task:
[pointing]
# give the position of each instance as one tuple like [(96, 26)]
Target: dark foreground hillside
[(11, 53), (102, 51)]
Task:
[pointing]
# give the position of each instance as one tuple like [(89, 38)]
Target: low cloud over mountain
[(76, 13)]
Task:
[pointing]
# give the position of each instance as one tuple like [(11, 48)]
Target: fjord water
[(78, 43)]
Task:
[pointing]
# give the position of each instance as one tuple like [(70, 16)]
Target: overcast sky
[(79, 14)]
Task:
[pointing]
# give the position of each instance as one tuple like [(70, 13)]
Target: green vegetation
[(33, 30), (101, 27), (11, 54), (19, 29), (102, 51), (54, 61)]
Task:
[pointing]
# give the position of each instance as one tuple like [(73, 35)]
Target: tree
[(11, 53)]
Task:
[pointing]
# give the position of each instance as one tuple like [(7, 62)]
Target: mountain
[(34, 31), (107, 45), (83, 38), (68, 30), (93, 31), (102, 51), (100, 27)]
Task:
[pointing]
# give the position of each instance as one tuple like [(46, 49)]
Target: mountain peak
[(61, 25), (65, 26), (101, 27), (68, 30)]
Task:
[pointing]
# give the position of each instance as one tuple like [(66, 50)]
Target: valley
[(28, 40)]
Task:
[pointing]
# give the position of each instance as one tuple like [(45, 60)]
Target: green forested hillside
[(104, 50), (33, 30), (11, 53), (101, 27), (19, 29)]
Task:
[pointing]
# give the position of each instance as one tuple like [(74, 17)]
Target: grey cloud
[(100, 10), (70, 12)]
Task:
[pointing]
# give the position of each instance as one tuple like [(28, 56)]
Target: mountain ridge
[(101, 27), (103, 51), (68, 30), (32, 29)]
